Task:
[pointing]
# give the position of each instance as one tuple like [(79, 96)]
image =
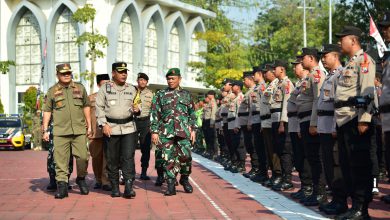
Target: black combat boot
[(318, 197), (115, 189), (52, 187), (80, 181), (144, 176), (334, 207), (251, 173), (357, 212), (186, 184), (259, 178), (129, 191), (160, 177), (285, 185), (171, 190), (62, 190), (69, 186)]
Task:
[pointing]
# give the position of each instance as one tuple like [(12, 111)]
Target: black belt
[(276, 110), (292, 114), (341, 104), (231, 119), (325, 113), (224, 114), (265, 117), (218, 120), (304, 114), (240, 114), (120, 121), (143, 118), (384, 109), (255, 112)]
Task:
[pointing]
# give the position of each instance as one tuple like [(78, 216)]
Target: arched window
[(66, 50), (196, 46), (174, 49), (150, 55), (28, 50), (125, 44)]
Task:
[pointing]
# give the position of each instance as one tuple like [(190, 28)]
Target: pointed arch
[(195, 45), (20, 10)]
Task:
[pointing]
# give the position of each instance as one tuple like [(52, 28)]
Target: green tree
[(29, 100), (94, 40), (4, 69)]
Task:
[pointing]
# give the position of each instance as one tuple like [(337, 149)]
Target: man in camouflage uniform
[(173, 129), (68, 103), (143, 122), (208, 125)]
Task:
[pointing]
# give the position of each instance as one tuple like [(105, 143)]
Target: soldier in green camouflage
[(173, 130)]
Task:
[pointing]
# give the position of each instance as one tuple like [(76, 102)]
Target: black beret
[(281, 63), (386, 20), (349, 30), (119, 66), (238, 83), (211, 92), (247, 74), (309, 51), (327, 48), (101, 77), (143, 76)]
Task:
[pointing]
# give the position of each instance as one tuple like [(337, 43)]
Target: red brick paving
[(23, 180)]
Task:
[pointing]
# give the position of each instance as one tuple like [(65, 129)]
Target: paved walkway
[(217, 195)]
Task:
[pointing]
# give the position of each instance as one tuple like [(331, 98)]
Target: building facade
[(151, 36)]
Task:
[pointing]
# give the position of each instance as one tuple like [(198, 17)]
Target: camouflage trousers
[(51, 165), (199, 140), (174, 156)]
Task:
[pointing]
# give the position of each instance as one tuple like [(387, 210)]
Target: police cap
[(119, 66), (64, 68), (349, 30), (101, 77), (143, 76)]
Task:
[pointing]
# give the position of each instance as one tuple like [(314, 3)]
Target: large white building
[(150, 35)]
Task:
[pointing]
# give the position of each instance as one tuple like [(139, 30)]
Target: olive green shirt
[(66, 105)]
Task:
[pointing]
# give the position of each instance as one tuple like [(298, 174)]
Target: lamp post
[(330, 21), (304, 22)]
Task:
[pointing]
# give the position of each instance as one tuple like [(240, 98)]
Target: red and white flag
[(379, 40)]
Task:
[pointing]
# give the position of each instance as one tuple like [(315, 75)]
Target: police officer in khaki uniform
[(115, 114), (307, 113), (96, 148), (143, 122), (245, 118), (68, 102), (266, 127), (327, 129), (353, 113), (208, 125), (280, 125), (226, 101)]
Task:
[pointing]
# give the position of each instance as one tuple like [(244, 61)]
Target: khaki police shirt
[(308, 96), (255, 107), (146, 96), (96, 130), (209, 111), (357, 79), (233, 111), (282, 94), (66, 105), (115, 102), (385, 95), (226, 101), (244, 109), (218, 118), (266, 101), (327, 124), (293, 122)]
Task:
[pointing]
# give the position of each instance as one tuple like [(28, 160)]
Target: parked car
[(11, 132)]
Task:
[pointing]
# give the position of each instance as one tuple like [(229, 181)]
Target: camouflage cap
[(173, 72), (64, 68)]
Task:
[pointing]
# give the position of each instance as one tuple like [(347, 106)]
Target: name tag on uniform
[(128, 93)]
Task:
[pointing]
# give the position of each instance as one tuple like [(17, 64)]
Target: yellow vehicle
[(11, 132)]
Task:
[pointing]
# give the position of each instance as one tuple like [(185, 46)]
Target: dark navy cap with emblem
[(386, 20), (297, 60), (349, 30), (327, 48), (143, 76), (267, 67), (101, 77), (247, 74), (64, 68), (211, 92), (226, 80), (238, 83), (281, 63), (119, 66), (309, 51), (173, 72)]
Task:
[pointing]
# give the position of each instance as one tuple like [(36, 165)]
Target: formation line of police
[(317, 112)]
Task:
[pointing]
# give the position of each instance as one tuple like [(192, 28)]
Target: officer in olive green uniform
[(353, 113), (143, 122), (96, 142), (115, 114), (68, 102)]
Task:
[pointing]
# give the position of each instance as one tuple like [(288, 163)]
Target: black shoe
[(358, 215), (283, 186), (129, 191), (144, 176), (233, 169), (106, 188), (386, 199), (334, 208), (62, 190), (297, 195), (115, 189), (259, 178), (275, 181), (228, 166), (186, 184), (171, 190), (80, 181), (251, 173), (52, 187), (97, 185), (315, 200)]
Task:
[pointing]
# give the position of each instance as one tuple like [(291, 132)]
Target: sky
[(245, 16)]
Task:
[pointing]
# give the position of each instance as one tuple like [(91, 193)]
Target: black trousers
[(327, 145), (209, 136), (312, 149), (237, 148), (381, 151), (228, 142), (387, 150), (273, 158), (355, 161), (119, 151), (301, 163), (144, 137), (248, 142), (260, 148), (223, 151), (283, 151)]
